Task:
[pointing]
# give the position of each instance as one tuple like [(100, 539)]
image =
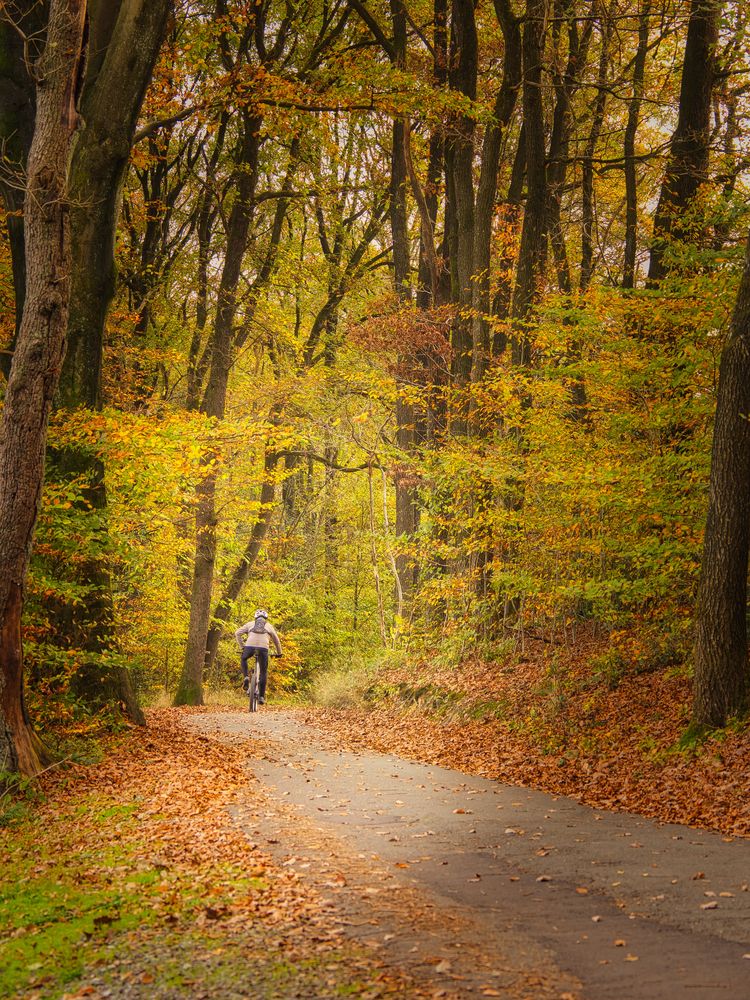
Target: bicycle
[(253, 690)]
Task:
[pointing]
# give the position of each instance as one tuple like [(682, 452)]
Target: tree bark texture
[(722, 677), (510, 217), (17, 109), (588, 220), (631, 128), (505, 103), (431, 277), (38, 357), (687, 167), (532, 252), (402, 170), (126, 39), (566, 82), (459, 190)]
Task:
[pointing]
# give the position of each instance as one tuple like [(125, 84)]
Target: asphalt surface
[(627, 908)]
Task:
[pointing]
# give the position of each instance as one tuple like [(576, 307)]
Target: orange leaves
[(414, 343)]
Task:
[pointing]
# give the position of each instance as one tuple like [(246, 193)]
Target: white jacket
[(258, 640)]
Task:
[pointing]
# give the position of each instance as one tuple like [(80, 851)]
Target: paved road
[(631, 909)]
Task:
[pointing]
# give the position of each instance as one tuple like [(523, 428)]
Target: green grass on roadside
[(61, 897), (76, 882)]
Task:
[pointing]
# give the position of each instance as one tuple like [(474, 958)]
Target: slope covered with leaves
[(573, 725)]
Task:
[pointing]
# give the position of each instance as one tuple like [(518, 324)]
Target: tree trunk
[(631, 182), (128, 35), (505, 103), (687, 168), (722, 678), (566, 82), (459, 190), (38, 358), (190, 687), (510, 223), (406, 501), (532, 252), (125, 40), (17, 101), (431, 280), (588, 219)]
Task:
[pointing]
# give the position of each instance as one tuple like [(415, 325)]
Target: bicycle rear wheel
[(255, 688)]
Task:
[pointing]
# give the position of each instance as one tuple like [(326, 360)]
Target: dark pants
[(248, 653)]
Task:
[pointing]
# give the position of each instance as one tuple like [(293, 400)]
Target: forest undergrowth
[(576, 722)]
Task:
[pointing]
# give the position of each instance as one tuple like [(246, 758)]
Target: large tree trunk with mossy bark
[(722, 676), (37, 360), (126, 37)]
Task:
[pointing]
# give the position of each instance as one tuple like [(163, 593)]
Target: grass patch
[(62, 896), (343, 686), (87, 877)]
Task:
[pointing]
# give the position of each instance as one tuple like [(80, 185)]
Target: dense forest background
[(403, 320)]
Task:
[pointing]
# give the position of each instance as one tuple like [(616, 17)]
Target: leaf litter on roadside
[(627, 758), (133, 869)]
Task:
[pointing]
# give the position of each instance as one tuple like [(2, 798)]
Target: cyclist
[(259, 631)]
